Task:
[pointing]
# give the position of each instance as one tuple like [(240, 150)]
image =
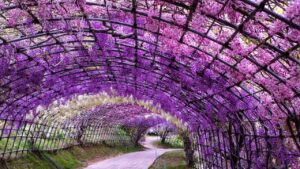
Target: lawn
[(171, 160), (71, 158), (172, 142)]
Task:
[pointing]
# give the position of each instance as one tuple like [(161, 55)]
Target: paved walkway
[(136, 160)]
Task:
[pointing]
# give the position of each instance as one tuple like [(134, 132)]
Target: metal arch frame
[(140, 68), (207, 160), (170, 93), (83, 76), (104, 83), (49, 142), (103, 76)]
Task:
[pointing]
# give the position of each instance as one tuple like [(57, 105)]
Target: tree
[(164, 131), (135, 133), (189, 151), (137, 127)]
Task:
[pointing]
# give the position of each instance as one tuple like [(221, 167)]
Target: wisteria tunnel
[(225, 71)]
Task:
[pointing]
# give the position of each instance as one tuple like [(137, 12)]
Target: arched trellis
[(223, 62), (117, 114), (100, 125)]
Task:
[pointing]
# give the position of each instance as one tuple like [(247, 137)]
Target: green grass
[(103, 151), (20, 143), (71, 158), (171, 160), (171, 142), (32, 161), (167, 145), (65, 159)]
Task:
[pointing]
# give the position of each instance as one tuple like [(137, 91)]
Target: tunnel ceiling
[(118, 114), (207, 61)]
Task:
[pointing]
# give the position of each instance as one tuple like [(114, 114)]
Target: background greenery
[(71, 158), (171, 160), (171, 142)]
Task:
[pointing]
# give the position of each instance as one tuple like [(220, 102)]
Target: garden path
[(135, 160)]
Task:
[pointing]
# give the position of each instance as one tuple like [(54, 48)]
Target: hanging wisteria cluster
[(61, 110), (133, 119), (230, 69), (118, 114)]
